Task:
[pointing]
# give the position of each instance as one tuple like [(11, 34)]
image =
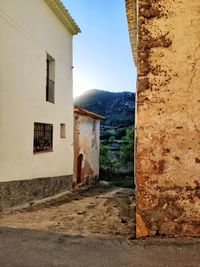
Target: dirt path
[(101, 211)]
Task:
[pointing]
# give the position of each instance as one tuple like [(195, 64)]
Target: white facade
[(29, 30)]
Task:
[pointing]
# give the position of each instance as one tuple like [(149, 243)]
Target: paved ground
[(102, 211), (87, 228), (27, 248)]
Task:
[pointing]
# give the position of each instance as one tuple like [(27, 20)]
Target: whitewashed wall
[(28, 31)]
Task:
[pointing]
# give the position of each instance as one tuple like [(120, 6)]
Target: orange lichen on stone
[(141, 229), (168, 111)]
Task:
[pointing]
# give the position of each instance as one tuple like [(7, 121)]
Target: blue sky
[(102, 53)]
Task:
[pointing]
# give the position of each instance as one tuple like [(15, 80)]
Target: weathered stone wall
[(16, 193), (168, 118), (86, 143)]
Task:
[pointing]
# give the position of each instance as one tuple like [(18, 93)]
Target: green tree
[(111, 139), (105, 161), (120, 132), (126, 151)]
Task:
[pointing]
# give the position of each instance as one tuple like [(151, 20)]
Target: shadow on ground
[(38, 248)]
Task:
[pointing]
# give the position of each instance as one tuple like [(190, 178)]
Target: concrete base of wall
[(17, 193)]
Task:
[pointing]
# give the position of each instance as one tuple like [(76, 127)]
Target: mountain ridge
[(117, 107)]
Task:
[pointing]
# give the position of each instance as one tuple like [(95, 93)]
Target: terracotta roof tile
[(87, 113)]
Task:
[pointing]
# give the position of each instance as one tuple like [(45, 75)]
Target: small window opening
[(62, 130), (94, 126), (50, 79), (43, 137)]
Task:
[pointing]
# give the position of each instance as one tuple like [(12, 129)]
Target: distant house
[(86, 146), (36, 104)]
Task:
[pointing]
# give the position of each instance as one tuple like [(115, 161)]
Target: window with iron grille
[(43, 137)]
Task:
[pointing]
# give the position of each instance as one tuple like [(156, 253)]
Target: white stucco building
[(86, 146), (36, 103)]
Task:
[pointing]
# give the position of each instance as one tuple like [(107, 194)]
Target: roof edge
[(64, 16), (132, 19), (87, 113)]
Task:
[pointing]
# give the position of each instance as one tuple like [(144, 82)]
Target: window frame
[(50, 79), (62, 130), (42, 132)]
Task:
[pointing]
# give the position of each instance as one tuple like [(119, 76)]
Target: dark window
[(50, 77), (94, 126), (43, 137)]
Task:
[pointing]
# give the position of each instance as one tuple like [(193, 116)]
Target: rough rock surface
[(103, 211), (168, 125)]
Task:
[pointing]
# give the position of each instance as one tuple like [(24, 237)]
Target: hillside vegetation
[(117, 108), (116, 132)]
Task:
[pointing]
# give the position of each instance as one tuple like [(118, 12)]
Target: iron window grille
[(43, 137)]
